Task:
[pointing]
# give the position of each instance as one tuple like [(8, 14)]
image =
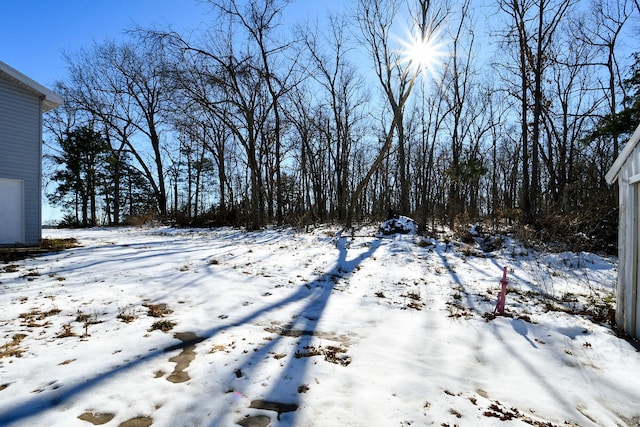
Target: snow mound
[(399, 225)]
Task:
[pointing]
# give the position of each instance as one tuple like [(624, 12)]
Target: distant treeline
[(411, 105)]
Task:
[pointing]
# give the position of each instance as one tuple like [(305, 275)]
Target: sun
[(423, 51)]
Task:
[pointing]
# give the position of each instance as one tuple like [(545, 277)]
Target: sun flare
[(423, 51)]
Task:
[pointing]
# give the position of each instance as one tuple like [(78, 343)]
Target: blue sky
[(35, 33)]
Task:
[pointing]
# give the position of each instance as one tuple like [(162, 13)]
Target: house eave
[(50, 99), (612, 175)]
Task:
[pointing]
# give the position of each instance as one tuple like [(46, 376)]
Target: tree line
[(418, 106)]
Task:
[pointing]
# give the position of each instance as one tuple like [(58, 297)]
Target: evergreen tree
[(81, 160), (625, 121)]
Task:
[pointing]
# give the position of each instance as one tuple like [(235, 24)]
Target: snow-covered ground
[(284, 327)]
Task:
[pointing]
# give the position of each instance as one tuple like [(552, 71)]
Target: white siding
[(21, 149), (628, 240)]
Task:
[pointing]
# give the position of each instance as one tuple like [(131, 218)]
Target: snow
[(283, 327), (398, 224)]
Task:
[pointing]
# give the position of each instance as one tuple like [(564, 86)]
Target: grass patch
[(59, 244), (12, 348), (31, 318)]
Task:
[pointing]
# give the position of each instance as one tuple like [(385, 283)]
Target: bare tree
[(343, 94), (533, 34), (396, 77), (602, 29), (122, 85), (571, 102), (259, 19), (304, 116), (458, 93)]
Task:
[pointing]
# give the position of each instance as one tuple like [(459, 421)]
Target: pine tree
[(81, 160), (625, 121)]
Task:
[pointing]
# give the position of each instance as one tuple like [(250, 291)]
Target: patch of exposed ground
[(137, 422), (287, 331), (256, 421), (184, 359), (267, 405), (96, 419)]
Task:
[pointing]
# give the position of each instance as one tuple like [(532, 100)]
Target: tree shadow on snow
[(282, 394), (315, 295)]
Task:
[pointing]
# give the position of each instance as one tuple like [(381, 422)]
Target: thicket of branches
[(253, 122)]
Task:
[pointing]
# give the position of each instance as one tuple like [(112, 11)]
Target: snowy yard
[(168, 327)]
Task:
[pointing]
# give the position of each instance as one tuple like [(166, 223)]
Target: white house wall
[(21, 149), (627, 239)]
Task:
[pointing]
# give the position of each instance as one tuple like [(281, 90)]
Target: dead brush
[(158, 310), (415, 305), (415, 300), (414, 295), (423, 243), (303, 388), (162, 325), (87, 320), (336, 355), (457, 310), (224, 348), (66, 331), (31, 274), (127, 314), (331, 354), (310, 351), (11, 268), (82, 317)]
